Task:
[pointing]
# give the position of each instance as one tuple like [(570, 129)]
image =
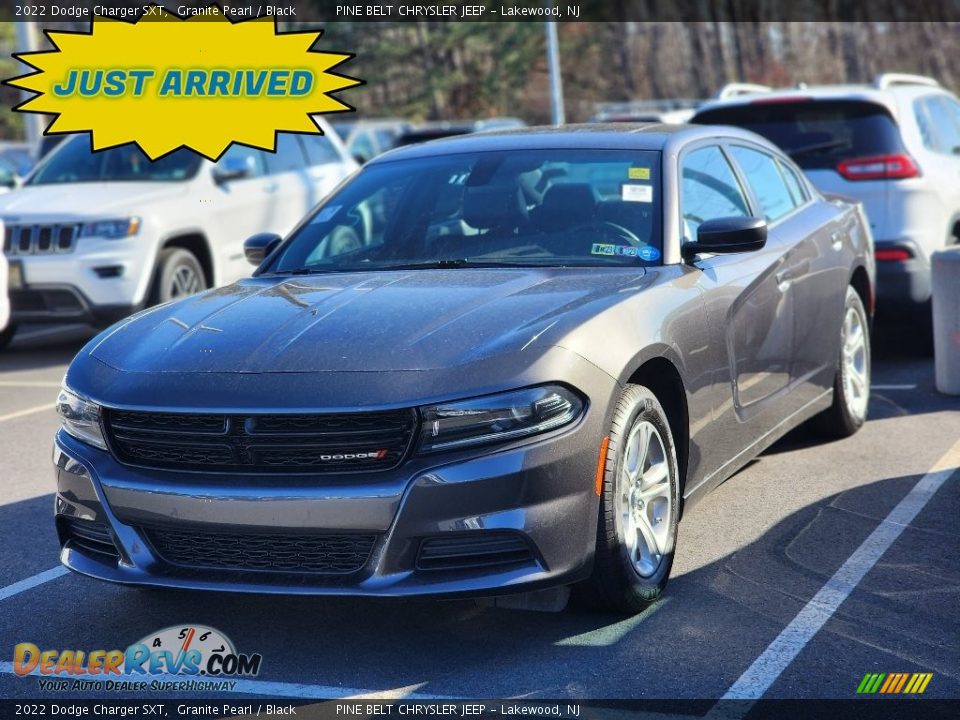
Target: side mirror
[(258, 246), (7, 178), (727, 235), (234, 168), (361, 160)]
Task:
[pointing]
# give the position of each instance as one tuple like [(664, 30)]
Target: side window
[(797, 189), (251, 157), (288, 157), (945, 116), (921, 111), (708, 190), (319, 149), (766, 181)]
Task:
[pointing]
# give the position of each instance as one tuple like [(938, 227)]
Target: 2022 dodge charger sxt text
[(483, 366)]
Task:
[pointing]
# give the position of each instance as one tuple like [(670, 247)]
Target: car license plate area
[(15, 279)]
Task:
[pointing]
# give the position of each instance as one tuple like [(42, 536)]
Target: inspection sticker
[(638, 173), (637, 193)]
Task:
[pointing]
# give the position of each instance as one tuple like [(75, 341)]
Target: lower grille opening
[(324, 554), (88, 535), (468, 551)]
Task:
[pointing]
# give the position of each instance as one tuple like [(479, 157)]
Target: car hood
[(372, 321), (81, 200)]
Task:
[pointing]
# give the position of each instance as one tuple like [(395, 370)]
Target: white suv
[(92, 237), (894, 146)]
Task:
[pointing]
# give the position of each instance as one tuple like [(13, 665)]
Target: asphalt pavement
[(751, 557)]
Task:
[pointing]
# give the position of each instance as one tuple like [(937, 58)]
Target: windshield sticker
[(327, 213), (637, 193), (638, 173), (644, 253)]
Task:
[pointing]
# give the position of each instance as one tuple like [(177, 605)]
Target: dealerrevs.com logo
[(180, 650)]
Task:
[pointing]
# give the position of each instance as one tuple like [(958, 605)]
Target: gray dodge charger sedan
[(483, 366)]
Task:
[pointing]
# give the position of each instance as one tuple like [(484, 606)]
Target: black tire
[(176, 263), (843, 418), (617, 584), (6, 335)]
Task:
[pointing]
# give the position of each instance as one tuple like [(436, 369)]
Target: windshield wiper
[(818, 147)]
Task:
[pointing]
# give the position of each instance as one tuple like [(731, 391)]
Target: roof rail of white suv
[(736, 89), (888, 80)]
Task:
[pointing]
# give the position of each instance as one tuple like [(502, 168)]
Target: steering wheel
[(607, 228)]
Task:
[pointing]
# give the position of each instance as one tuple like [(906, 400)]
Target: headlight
[(111, 229), (81, 418), (496, 418)]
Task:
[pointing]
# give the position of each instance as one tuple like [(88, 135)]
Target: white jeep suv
[(893, 145), (92, 237)]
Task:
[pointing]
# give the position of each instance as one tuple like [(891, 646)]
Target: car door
[(290, 187), (809, 277), (817, 269), (327, 166), (241, 206), (749, 314)]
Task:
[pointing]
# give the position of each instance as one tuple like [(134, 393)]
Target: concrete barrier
[(946, 319)]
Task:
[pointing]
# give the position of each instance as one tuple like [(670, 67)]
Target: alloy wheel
[(644, 498)]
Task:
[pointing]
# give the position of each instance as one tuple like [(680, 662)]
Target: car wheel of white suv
[(179, 274)]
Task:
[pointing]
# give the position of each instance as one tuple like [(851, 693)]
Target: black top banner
[(381, 11)]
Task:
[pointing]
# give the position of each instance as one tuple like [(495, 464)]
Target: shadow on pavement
[(711, 624)]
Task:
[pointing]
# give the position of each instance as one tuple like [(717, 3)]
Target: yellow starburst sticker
[(202, 82)]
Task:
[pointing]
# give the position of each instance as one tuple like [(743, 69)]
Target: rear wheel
[(637, 529), (179, 274), (851, 385)]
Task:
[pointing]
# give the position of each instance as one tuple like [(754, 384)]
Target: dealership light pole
[(27, 42), (553, 63)]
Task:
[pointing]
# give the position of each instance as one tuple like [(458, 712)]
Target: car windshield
[(527, 207), (815, 133), (74, 162)]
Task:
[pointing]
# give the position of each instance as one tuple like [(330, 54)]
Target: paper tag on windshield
[(637, 193)]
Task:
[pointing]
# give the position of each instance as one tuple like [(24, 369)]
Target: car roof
[(632, 136)]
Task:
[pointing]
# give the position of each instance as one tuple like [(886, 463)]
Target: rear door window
[(815, 133), (946, 124), (764, 177), (288, 157), (319, 149), (797, 189)]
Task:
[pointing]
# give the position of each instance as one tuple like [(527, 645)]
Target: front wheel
[(179, 274), (639, 508), (851, 384)]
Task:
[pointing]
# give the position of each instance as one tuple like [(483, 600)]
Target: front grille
[(91, 536), (40, 239), (329, 443), (326, 554), (473, 550)]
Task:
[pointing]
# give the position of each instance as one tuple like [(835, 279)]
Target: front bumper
[(538, 495)]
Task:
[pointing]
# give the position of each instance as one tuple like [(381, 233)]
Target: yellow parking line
[(28, 411)]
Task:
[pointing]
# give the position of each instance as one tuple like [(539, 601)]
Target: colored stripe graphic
[(894, 683)]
